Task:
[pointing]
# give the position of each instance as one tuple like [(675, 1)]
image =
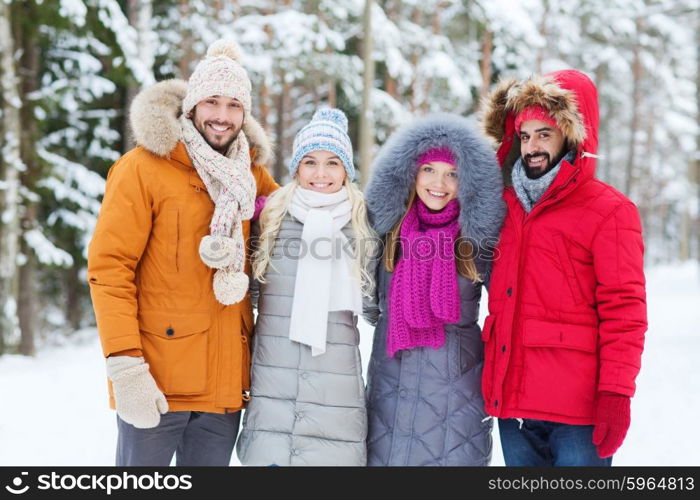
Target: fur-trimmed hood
[(480, 185), (154, 122), (569, 96)]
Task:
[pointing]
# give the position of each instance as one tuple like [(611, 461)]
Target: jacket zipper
[(521, 244), (495, 343), (551, 195)]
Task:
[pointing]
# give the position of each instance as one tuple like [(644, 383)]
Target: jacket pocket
[(471, 350), (538, 333), (560, 368), (175, 346), (568, 269)]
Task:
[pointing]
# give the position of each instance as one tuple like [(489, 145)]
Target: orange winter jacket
[(149, 287)]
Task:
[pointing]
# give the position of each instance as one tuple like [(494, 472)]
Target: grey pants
[(199, 438)]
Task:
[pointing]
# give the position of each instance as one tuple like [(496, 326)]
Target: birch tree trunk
[(10, 184), (139, 13), (188, 54), (390, 84), (543, 32), (265, 95), (415, 59), (637, 75), (29, 298), (697, 149), (366, 117), (486, 51), (283, 109)]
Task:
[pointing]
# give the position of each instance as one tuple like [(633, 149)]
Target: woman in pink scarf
[(435, 199)]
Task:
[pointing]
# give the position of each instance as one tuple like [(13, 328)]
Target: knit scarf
[(424, 294), (231, 186), (324, 279), (529, 191)]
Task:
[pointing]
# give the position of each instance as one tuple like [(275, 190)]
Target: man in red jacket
[(567, 306)]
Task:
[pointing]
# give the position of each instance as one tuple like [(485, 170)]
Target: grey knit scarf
[(529, 191)]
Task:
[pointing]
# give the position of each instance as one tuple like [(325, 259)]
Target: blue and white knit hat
[(327, 131)]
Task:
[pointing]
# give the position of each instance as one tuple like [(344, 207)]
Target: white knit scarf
[(232, 188), (324, 279)]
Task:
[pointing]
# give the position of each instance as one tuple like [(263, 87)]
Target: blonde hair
[(365, 239), (464, 251)]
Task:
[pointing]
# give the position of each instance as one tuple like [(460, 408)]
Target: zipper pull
[(585, 154)]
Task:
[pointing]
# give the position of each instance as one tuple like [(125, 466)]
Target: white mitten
[(138, 400)]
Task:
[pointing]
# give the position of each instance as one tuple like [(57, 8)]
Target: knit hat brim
[(327, 131), (534, 113), (444, 155), (219, 74)]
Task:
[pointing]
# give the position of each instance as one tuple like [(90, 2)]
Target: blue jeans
[(540, 443), (196, 438)]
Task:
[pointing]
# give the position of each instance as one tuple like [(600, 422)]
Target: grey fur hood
[(480, 182), (154, 122)]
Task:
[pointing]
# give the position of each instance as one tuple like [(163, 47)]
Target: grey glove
[(138, 400)]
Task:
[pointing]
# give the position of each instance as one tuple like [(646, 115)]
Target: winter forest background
[(70, 68)]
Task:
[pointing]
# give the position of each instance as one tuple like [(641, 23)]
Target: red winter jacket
[(567, 307)]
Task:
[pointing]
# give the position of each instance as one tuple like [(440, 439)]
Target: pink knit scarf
[(424, 294)]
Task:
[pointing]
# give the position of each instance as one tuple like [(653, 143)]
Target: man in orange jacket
[(167, 266)]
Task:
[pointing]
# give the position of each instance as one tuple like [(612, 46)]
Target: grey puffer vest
[(303, 410), (425, 405)]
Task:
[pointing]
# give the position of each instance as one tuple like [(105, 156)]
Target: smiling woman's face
[(436, 184), (321, 171)]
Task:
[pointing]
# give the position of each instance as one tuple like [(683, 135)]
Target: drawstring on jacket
[(485, 419)]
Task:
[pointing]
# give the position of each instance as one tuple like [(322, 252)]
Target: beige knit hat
[(219, 73)]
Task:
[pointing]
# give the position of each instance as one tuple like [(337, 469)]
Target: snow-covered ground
[(54, 406)]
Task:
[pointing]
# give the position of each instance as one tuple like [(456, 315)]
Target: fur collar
[(154, 122), (495, 110)]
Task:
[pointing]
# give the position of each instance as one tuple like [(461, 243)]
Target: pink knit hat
[(443, 154), (534, 113)]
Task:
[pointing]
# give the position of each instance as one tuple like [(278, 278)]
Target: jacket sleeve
[(484, 265), (370, 309), (120, 237), (266, 184), (618, 261), (370, 305)]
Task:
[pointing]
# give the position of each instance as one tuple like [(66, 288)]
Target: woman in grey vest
[(435, 199), (307, 403)]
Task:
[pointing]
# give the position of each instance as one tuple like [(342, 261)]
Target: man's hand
[(138, 400), (611, 422)]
